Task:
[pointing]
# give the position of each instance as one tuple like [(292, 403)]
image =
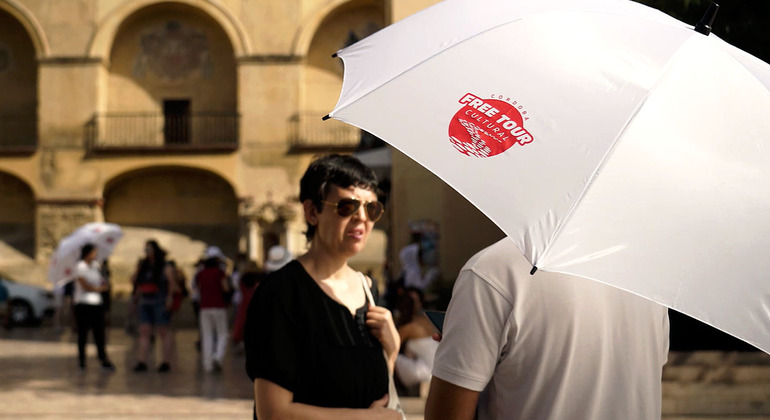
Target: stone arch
[(31, 24), (308, 30), (103, 38), (17, 219), (184, 208), (339, 24), (171, 80)]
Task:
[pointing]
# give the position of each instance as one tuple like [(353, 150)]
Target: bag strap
[(367, 290), (394, 403)]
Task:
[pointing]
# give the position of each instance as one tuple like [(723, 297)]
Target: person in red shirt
[(213, 285), (250, 279)]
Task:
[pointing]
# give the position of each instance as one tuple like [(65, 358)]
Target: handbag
[(394, 403)]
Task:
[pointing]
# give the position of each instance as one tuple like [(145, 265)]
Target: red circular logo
[(487, 127)]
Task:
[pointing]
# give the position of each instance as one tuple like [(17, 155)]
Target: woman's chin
[(353, 247)]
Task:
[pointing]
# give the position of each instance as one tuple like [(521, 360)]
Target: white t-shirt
[(551, 346), (92, 275)]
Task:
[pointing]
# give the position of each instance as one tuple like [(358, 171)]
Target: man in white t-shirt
[(545, 346)]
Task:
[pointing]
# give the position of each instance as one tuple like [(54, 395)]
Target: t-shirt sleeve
[(82, 271), (271, 336), (473, 334)]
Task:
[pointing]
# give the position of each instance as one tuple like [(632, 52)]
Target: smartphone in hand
[(437, 319)]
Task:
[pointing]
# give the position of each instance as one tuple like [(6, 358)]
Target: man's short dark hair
[(85, 250), (340, 170)]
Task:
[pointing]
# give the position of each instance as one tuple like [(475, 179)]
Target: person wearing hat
[(213, 287), (277, 257), (314, 346)]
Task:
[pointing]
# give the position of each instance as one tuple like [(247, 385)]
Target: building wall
[(78, 64)]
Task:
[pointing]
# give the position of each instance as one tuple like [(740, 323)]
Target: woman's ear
[(311, 212)]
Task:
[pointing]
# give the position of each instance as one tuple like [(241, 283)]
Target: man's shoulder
[(502, 258)]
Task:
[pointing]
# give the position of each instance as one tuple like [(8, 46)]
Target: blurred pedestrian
[(89, 306), (415, 363), (180, 289), (5, 307), (106, 294), (239, 267), (213, 286), (277, 257), (250, 279), (195, 300), (154, 293), (416, 273)]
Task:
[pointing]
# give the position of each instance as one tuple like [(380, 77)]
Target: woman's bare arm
[(276, 403)]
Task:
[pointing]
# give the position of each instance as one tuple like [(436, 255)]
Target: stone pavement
[(39, 379)]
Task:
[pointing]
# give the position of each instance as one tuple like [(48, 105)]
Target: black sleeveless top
[(306, 342)]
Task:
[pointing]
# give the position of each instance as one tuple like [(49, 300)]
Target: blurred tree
[(742, 23)]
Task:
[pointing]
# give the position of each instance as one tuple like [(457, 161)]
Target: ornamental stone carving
[(55, 221)]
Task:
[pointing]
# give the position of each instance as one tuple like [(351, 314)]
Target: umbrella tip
[(534, 270), (704, 26), (325, 117)]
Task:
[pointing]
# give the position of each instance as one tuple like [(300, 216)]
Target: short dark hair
[(340, 170), (86, 249)]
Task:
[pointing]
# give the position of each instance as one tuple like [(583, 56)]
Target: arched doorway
[(322, 75), (184, 209), (343, 26), (18, 82), (17, 221), (172, 81)]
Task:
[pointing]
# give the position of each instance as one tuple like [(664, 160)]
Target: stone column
[(272, 218), (255, 251)]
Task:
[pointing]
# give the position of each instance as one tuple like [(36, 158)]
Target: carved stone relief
[(173, 51), (55, 221)]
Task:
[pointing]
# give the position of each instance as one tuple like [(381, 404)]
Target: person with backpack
[(154, 293)]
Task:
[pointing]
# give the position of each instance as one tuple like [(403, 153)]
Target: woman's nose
[(361, 212)]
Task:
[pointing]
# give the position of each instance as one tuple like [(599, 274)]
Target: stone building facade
[(187, 121)]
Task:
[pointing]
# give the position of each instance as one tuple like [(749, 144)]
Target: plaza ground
[(39, 379)]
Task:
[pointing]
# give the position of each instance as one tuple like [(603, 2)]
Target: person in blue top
[(154, 292)]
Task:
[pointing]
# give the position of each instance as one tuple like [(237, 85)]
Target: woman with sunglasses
[(314, 346)]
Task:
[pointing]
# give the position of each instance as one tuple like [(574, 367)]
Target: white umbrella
[(605, 138), (64, 260)]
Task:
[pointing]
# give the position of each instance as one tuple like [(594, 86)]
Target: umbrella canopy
[(103, 235), (605, 138)]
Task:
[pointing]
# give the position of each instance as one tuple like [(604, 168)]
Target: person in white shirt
[(89, 308), (545, 346), (411, 259)]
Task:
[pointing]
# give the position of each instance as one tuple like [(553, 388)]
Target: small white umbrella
[(64, 260), (605, 138)]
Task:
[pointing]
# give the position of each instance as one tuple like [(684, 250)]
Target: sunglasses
[(348, 206)]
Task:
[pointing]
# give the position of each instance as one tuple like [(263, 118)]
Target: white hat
[(277, 257), (214, 252)]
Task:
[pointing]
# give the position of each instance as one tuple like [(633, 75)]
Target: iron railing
[(18, 133), (308, 131), (156, 131)]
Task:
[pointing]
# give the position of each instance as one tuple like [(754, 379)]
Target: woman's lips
[(356, 233)]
